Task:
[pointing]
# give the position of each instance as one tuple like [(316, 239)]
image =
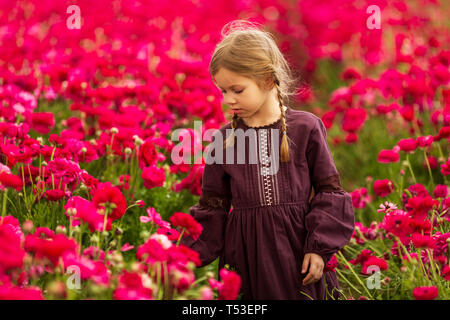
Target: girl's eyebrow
[(234, 85)]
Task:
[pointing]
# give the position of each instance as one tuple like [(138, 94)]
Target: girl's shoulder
[(301, 122)]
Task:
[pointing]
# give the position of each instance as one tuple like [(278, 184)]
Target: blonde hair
[(253, 53)]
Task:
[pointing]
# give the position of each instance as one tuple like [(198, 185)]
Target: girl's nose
[(229, 100)]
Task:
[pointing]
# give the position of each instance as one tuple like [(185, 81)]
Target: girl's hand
[(316, 266)]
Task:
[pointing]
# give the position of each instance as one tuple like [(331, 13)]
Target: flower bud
[(72, 212), (113, 243), (128, 151), (61, 230), (114, 130), (57, 289), (144, 234), (105, 233), (76, 230), (28, 226), (94, 238), (118, 231), (84, 150)]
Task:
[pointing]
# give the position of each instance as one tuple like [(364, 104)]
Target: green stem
[(5, 196), (348, 282), (429, 168), (354, 273), (181, 235), (410, 168)]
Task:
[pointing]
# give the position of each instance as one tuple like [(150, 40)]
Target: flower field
[(93, 205)]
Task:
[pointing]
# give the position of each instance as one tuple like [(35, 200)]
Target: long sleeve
[(211, 212), (330, 220)]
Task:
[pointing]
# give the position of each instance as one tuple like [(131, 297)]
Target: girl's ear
[(268, 83)]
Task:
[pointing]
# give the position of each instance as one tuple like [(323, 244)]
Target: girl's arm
[(330, 220), (211, 212)]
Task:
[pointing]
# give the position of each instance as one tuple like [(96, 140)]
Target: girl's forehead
[(225, 78)]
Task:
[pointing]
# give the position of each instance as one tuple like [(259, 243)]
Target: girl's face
[(243, 94)]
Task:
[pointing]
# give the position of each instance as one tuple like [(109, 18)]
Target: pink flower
[(425, 293), (4, 169), (441, 191), (154, 217), (9, 292), (126, 247), (132, 286), (86, 211), (387, 156), (11, 252), (89, 269)]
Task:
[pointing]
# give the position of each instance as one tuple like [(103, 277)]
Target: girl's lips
[(236, 110)]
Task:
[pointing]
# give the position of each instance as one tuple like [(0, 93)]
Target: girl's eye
[(237, 92)]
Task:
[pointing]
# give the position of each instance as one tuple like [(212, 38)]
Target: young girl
[(276, 237)]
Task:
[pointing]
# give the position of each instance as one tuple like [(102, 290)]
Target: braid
[(229, 142), (284, 149)]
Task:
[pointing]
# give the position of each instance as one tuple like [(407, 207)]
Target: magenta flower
[(154, 217), (387, 156)]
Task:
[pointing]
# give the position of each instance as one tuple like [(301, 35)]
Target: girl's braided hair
[(253, 53)]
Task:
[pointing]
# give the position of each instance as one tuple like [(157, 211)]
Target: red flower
[(383, 188), (419, 206), (446, 272), (372, 261), (441, 191), (131, 287), (52, 248), (87, 212), (407, 145), (387, 156), (147, 154), (42, 122), (231, 285), (445, 168), (151, 251), (331, 265), (186, 221), (423, 241), (425, 141), (153, 177), (11, 253), (425, 293), (54, 195), (10, 181), (109, 196)]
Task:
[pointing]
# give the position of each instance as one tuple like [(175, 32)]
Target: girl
[(275, 238)]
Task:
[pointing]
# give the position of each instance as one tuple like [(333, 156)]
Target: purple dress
[(275, 221)]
